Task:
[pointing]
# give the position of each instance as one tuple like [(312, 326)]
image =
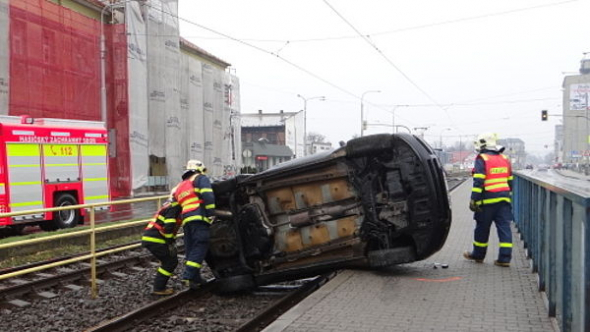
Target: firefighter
[(491, 200), (159, 238), (196, 198)]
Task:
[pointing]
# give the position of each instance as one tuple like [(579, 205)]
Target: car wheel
[(66, 218)]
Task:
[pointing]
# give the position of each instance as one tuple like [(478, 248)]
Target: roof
[(271, 150), (194, 49), (265, 119)]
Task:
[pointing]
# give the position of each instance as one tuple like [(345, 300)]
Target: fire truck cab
[(48, 163)]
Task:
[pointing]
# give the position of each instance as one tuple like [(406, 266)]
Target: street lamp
[(322, 98), (441, 135), (393, 117), (362, 109)]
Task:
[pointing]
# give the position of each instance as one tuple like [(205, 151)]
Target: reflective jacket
[(196, 198), (163, 226), (492, 178)]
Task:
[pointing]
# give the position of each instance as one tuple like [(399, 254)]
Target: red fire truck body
[(51, 162)]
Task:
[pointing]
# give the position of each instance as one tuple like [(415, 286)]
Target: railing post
[(94, 287), (585, 246)]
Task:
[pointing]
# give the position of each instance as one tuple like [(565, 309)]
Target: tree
[(315, 138)]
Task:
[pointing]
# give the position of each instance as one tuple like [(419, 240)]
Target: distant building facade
[(576, 115), (317, 147), (264, 138), (515, 149)]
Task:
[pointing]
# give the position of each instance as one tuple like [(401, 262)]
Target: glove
[(474, 207)]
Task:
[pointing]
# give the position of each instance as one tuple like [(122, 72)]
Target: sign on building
[(579, 97)]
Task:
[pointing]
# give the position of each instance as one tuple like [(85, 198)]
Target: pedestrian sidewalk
[(466, 296)]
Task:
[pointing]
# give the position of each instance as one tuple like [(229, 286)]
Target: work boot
[(163, 292), (468, 256), (502, 264)]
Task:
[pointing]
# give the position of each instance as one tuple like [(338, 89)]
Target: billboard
[(579, 97)]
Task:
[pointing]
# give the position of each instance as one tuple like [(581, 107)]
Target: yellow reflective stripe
[(484, 157), (24, 183), (193, 264), (31, 203), (477, 190), (496, 186), (197, 217), (60, 165), (479, 176), (161, 218), (189, 207), (94, 179), (191, 200), (496, 180), (96, 197), (153, 239), (203, 190), (174, 204), (25, 165), (496, 200), (505, 245), (480, 244), (164, 272), (169, 220), (511, 177), (210, 206), (22, 150), (94, 150), (168, 236)]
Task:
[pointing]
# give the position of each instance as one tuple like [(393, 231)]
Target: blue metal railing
[(554, 222)]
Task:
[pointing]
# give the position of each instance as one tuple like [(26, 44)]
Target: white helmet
[(196, 165), (486, 141)]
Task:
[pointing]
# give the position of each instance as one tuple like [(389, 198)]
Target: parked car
[(529, 166), (377, 201)]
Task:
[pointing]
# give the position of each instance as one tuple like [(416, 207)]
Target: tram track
[(175, 311), (77, 273)]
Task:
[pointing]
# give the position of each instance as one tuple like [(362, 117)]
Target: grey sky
[(470, 66)]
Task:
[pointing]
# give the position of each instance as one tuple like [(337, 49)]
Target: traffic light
[(544, 115)]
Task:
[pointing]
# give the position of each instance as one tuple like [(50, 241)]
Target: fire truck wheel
[(17, 229), (67, 218)]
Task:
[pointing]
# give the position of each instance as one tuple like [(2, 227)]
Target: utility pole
[(322, 98)]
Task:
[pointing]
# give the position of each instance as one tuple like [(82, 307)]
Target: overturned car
[(377, 201)]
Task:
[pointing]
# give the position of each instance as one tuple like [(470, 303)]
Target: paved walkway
[(416, 297)]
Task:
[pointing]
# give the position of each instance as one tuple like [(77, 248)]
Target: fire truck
[(48, 163)]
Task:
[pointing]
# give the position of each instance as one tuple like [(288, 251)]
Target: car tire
[(368, 145), (66, 218)]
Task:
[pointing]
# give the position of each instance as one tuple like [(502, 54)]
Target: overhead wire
[(274, 54), (416, 27), (391, 63)]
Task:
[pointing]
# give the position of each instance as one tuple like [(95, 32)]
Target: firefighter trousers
[(196, 244), (501, 215), (168, 262)]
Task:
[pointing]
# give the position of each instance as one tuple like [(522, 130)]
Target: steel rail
[(154, 309), (54, 280), (274, 310)]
